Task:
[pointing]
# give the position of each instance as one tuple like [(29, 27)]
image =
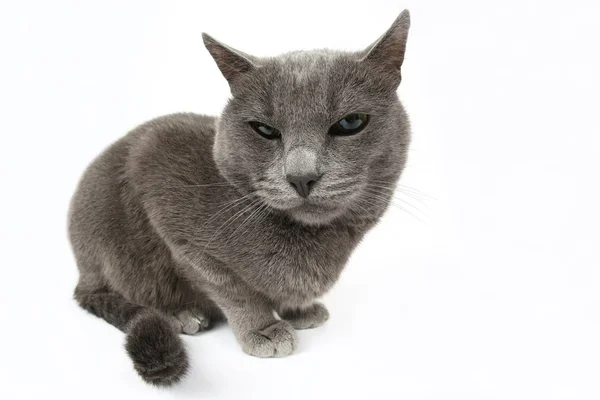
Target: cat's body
[(181, 222), (117, 189)]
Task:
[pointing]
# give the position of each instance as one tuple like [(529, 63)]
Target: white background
[(495, 295)]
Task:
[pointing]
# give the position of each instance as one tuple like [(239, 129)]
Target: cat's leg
[(112, 307), (177, 298), (250, 314), (252, 319), (305, 318)]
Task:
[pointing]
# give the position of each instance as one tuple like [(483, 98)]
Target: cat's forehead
[(306, 83), (301, 66)]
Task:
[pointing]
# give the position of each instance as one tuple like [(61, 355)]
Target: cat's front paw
[(276, 340), (306, 318)]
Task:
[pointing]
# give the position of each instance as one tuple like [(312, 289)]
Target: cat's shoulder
[(173, 132), (178, 125), (171, 142)]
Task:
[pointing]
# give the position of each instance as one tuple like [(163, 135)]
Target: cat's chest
[(294, 265)]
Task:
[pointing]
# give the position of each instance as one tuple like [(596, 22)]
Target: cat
[(250, 217)]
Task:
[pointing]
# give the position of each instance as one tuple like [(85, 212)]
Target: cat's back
[(176, 145), (179, 128), (107, 195), (173, 137)]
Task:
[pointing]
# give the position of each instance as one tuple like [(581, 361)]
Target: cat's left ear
[(388, 51), (232, 63)]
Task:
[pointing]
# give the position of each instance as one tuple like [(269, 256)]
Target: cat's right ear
[(387, 53), (231, 62)]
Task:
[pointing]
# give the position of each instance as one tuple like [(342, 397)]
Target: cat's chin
[(308, 212), (313, 215)]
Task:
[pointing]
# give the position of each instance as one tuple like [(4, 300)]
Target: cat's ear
[(231, 62), (388, 51)]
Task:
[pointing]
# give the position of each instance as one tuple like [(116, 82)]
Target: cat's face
[(309, 132)]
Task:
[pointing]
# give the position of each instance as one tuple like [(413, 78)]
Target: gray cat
[(190, 219)]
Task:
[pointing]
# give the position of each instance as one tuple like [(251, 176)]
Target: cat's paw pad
[(307, 318), (276, 340), (192, 322)]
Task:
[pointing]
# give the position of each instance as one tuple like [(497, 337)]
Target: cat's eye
[(265, 130), (350, 124)]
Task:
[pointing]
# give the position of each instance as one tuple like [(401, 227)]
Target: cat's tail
[(152, 341)]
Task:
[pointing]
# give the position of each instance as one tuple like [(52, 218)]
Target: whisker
[(393, 191), (248, 218), (226, 207), (413, 196), (417, 191), (268, 188), (382, 198), (228, 222), (264, 212), (260, 216), (401, 190), (392, 197), (204, 185), (407, 188), (340, 183)]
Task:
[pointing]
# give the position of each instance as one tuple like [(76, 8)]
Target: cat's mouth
[(315, 214), (308, 207), (309, 211), (319, 207)]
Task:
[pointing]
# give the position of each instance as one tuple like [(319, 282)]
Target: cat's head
[(312, 133)]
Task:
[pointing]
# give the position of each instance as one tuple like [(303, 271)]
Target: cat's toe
[(192, 322), (276, 340), (311, 317)]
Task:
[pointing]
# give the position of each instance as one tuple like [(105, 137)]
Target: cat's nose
[(301, 169), (302, 183)]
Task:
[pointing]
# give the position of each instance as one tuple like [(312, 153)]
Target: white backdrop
[(491, 293)]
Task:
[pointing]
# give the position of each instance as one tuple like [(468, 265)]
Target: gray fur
[(189, 219), (306, 317)]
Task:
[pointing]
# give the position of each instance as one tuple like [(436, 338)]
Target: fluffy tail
[(152, 343)]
